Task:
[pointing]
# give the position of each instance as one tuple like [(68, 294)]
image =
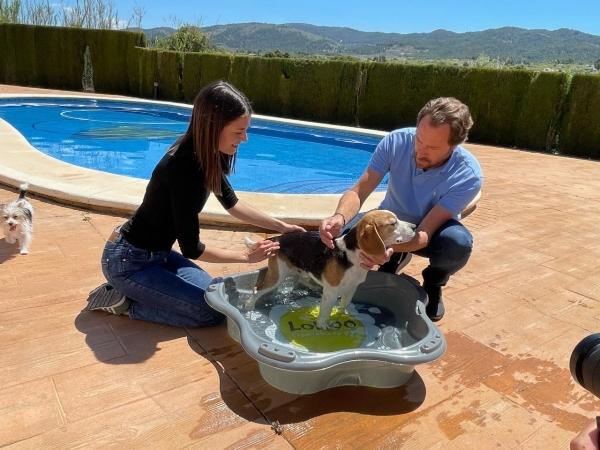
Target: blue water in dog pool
[(128, 138)]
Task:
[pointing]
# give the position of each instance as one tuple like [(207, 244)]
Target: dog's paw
[(322, 324), (24, 251)]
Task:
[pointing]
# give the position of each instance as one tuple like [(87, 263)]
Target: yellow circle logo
[(300, 328)]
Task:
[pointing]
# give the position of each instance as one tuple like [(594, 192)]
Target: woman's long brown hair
[(215, 106)]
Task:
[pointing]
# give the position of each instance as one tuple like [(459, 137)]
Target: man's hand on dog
[(368, 262), (261, 251), (331, 228)]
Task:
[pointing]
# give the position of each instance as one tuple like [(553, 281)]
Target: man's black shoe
[(435, 306)]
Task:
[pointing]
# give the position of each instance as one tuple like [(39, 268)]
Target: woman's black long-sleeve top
[(174, 197)]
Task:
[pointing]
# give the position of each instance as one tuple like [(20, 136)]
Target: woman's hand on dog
[(368, 262), (261, 251), (331, 228)]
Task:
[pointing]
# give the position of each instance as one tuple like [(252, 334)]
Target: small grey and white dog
[(18, 221)]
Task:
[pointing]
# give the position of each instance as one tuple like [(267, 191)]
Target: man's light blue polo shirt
[(412, 192)]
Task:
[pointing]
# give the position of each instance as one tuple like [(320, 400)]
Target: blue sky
[(399, 16)]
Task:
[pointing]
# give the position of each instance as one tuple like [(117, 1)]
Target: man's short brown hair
[(449, 110)]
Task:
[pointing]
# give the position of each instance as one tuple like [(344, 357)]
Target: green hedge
[(111, 55), (393, 94), (495, 98), (580, 126), (7, 58), (259, 78), (324, 91), (317, 90), (19, 54), (162, 66), (59, 57), (200, 69), (146, 73), (510, 107), (170, 72), (537, 125), (53, 56)]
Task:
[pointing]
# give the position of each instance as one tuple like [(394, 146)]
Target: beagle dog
[(337, 270)]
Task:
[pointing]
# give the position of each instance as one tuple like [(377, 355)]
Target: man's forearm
[(420, 241), (348, 206)]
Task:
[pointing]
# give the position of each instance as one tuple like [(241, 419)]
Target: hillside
[(516, 44)]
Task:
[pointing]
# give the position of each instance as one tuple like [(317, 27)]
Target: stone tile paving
[(530, 292)]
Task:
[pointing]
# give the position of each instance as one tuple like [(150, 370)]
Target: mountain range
[(507, 43)]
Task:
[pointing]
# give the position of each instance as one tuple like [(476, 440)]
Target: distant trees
[(597, 64), (100, 14), (276, 54), (188, 38), (9, 11)]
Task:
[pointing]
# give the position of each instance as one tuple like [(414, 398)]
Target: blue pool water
[(129, 138)]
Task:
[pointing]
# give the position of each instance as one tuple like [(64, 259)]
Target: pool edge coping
[(119, 194)]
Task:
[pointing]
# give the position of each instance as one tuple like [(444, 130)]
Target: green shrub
[(170, 70), (509, 107), (580, 125), (537, 124), (187, 38), (4, 54), (200, 69), (393, 94), (18, 54), (147, 72), (495, 98), (300, 88), (59, 57), (110, 52), (53, 56), (323, 91), (260, 79)]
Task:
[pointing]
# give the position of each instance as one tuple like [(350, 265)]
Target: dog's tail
[(249, 242), (23, 190)]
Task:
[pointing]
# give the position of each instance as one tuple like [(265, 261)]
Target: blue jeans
[(448, 251), (163, 286)]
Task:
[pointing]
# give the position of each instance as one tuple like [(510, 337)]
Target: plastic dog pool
[(378, 343)]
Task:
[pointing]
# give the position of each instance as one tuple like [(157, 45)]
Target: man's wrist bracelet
[(343, 218)]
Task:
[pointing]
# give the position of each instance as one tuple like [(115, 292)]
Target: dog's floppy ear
[(369, 240)]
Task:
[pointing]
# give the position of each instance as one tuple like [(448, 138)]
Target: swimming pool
[(128, 138)]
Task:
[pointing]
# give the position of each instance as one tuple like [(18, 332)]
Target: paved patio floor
[(529, 293)]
